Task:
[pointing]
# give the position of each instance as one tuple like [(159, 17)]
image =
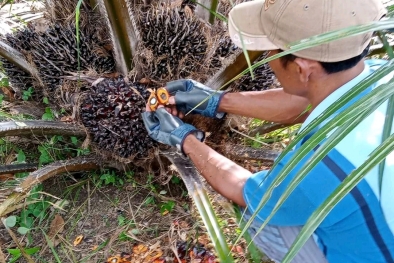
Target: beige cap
[(274, 24)]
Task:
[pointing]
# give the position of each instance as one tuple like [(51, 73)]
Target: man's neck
[(322, 86)]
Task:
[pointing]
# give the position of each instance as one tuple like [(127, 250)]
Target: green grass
[(281, 136)]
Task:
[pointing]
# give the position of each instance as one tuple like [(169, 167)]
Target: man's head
[(274, 24)]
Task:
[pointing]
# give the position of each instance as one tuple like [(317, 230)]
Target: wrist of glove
[(193, 96), (168, 129)]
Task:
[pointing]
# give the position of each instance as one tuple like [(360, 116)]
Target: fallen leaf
[(56, 227), (123, 258), (10, 158), (94, 247), (9, 94), (165, 212), (154, 255), (184, 224), (203, 239), (78, 240), (238, 249), (139, 249), (66, 119), (6, 177)]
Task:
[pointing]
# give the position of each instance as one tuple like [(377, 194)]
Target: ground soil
[(116, 219)]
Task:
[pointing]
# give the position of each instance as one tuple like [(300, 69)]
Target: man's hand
[(196, 97), (168, 129)]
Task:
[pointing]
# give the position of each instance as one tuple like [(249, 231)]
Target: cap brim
[(245, 27)]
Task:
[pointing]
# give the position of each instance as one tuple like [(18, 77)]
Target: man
[(360, 228)]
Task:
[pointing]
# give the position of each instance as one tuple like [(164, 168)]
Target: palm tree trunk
[(206, 10), (123, 31)]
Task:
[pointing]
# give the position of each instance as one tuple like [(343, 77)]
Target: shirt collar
[(340, 91)]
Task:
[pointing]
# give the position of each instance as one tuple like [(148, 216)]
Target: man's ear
[(304, 68)]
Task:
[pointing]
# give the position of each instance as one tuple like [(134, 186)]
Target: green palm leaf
[(344, 122), (209, 218), (377, 156), (388, 123), (195, 187)]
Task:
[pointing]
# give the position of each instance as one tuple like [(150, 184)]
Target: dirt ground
[(141, 219), (123, 220)]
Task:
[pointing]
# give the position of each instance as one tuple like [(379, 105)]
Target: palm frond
[(351, 181), (194, 185)]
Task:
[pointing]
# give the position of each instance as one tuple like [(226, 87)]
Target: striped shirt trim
[(366, 211)]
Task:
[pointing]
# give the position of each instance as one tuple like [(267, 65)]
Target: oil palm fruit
[(225, 48), (264, 78), (174, 43), (55, 54), (111, 111)]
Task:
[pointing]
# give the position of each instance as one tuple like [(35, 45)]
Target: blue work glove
[(169, 129), (189, 93)]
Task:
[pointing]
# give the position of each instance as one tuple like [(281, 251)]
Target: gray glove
[(189, 93), (169, 129)]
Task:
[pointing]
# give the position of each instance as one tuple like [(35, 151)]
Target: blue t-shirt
[(361, 227)]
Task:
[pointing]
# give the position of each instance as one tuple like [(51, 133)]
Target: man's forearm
[(225, 176), (271, 105)]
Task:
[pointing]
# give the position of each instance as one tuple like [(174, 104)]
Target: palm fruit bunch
[(55, 54), (264, 78), (189, 3), (111, 111), (174, 43), (225, 48), (18, 78)]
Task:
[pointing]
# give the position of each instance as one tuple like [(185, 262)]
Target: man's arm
[(225, 176), (271, 105)]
